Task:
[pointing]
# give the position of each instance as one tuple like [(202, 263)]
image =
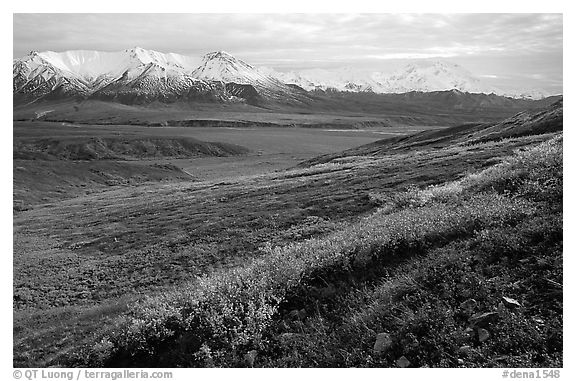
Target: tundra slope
[(547, 120), (462, 264), (133, 229)]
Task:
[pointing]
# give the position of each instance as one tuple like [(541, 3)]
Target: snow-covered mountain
[(139, 75), (526, 94), (35, 77), (86, 73), (428, 76), (152, 82), (424, 76), (244, 80), (342, 79), (93, 64), (221, 66)]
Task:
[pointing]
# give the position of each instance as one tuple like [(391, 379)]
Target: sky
[(507, 50)]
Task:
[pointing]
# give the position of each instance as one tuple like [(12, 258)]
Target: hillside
[(409, 258), (441, 277), (547, 120)]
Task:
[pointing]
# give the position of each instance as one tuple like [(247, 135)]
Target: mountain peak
[(222, 66), (435, 75), (218, 54), (224, 58)]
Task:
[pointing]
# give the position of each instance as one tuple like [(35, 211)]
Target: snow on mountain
[(152, 81), (92, 64), (33, 76), (344, 79), (429, 76), (533, 94), (102, 68), (139, 75), (424, 76), (133, 75), (245, 80), (221, 66), (146, 74)]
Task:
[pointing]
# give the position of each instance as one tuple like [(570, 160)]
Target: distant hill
[(119, 147)]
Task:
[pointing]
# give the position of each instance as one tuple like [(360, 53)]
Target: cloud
[(402, 56)]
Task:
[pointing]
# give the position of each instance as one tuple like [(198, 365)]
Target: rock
[(465, 349), (541, 261), (250, 357), (460, 362), (482, 319), (297, 314), (328, 292), (483, 335), (469, 332), (502, 310), (287, 336), (511, 303), (403, 362), (468, 306), (383, 343)]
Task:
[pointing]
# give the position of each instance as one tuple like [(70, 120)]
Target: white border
[(307, 6)]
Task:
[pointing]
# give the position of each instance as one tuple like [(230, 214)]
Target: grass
[(44, 337), (349, 287), (38, 182)]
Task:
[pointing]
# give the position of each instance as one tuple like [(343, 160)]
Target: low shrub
[(230, 312), (426, 305)]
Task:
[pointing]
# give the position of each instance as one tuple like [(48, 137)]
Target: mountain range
[(142, 76)]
